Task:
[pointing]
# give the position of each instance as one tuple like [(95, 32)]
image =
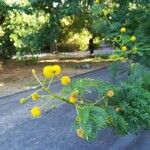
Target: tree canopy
[(31, 26)]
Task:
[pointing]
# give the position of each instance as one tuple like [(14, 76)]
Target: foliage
[(39, 24), (144, 35), (132, 99), (21, 29), (91, 119), (124, 108), (108, 16)]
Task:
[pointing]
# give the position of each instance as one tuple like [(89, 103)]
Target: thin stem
[(50, 93), (57, 96), (117, 42), (108, 22), (39, 81), (50, 82), (106, 103), (99, 100), (34, 92), (126, 42), (46, 103)]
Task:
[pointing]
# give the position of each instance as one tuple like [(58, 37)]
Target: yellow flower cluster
[(50, 71), (65, 80), (22, 101), (33, 71), (97, 1), (36, 111), (105, 12), (124, 48), (133, 38), (123, 29), (110, 93), (73, 97), (80, 133), (118, 109), (35, 96), (56, 70)]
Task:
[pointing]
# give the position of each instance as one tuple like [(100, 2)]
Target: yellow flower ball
[(117, 109), (35, 96), (22, 101), (115, 39), (105, 13), (33, 71), (56, 69), (97, 1), (36, 111), (133, 38), (110, 93), (65, 80), (80, 133), (124, 48), (121, 58), (48, 71), (113, 57), (123, 29), (73, 99)]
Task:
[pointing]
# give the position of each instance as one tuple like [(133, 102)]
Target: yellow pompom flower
[(117, 109), (35, 96), (73, 99), (133, 38), (113, 57), (65, 80), (36, 111), (115, 39), (56, 69), (80, 133), (110, 93), (123, 29), (33, 71), (105, 13), (48, 71), (97, 1), (22, 101), (121, 58), (124, 48)]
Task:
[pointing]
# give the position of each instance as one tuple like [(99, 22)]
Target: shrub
[(124, 108)]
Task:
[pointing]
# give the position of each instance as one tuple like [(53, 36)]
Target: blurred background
[(34, 33)]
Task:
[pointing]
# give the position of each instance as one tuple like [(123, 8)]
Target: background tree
[(33, 26)]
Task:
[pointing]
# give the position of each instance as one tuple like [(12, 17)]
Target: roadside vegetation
[(29, 28)]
